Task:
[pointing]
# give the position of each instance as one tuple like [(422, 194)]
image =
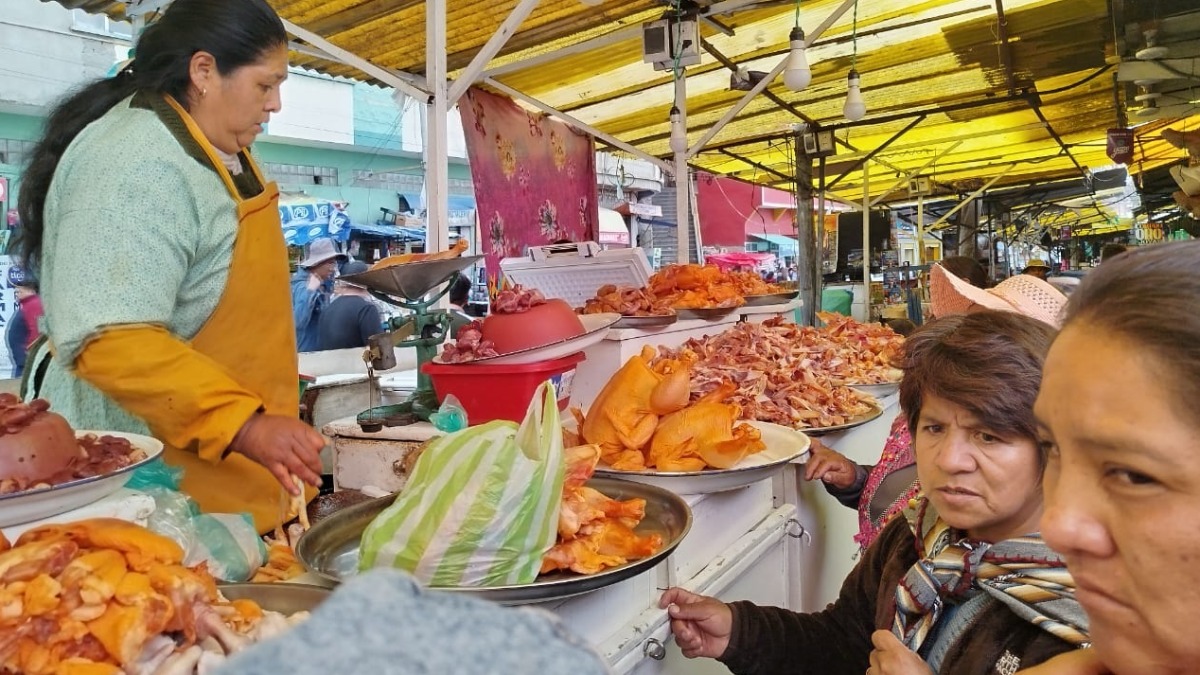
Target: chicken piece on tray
[(606, 543), (703, 435)]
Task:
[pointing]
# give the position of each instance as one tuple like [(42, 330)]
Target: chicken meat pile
[(626, 301), (595, 532), (789, 374), (469, 346), (706, 286), (106, 597), (38, 449), (645, 418)]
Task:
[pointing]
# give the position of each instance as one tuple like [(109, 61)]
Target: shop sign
[(645, 210), (1120, 145), (1149, 233)]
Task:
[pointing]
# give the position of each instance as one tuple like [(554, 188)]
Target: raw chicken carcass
[(608, 543), (703, 435)]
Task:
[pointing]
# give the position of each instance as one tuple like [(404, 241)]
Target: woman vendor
[(177, 321), (963, 584), (1123, 475)]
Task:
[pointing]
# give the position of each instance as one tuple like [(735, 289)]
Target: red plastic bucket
[(496, 392)]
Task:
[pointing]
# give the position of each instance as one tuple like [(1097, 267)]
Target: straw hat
[(1036, 263), (1022, 294), (319, 251)]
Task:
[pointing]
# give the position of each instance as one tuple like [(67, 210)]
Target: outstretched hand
[(284, 445), (702, 625), (829, 466)]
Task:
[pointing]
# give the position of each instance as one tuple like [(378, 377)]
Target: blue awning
[(786, 245), (388, 232)]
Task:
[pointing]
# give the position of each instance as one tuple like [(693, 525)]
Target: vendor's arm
[(835, 641), (842, 478)]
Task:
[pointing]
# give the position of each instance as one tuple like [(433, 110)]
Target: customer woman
[(1118, 415), (176, 318), (963, 584), (879, 492)]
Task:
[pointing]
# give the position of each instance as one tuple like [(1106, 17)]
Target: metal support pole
[(920, 229), (437, 161), (866, 241), (682, 184), (382, 74), (808, 258)]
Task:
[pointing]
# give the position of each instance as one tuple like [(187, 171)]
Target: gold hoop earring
[(204, 92)]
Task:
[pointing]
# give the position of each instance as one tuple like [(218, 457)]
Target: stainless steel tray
[(771, 298), (412, 280), (653, 321), (704, 312), (285, 598), (854, 422), (330, 548), (878, 390)]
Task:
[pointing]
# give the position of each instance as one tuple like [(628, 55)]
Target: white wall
[(41, 57), (315, 108)]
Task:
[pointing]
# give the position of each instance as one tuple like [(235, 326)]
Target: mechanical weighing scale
[(415, 287)]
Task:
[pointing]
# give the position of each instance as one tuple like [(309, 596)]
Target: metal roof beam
[(766, 81), (915, 172), (484, 56), (621, 35), (384, 75), (760, 167), (880, 148), (970, 198), (606, 138)]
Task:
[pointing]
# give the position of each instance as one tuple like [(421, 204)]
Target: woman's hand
[(891, 657), (284, 445), (1075, 662), (829, 466), (701, 624)]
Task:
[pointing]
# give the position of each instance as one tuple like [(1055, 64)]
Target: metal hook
[(654, 649), (796, 531)]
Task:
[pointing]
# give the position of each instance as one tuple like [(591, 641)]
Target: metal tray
[(283, 597), (878, 390), (652, 321), (771, 298), (412, 280), (27, 506), (705, 312), (595, 328), (854, 422), (330, 548), (784, 445)]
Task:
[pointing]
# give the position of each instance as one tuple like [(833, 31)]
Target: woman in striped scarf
[(964, 585)]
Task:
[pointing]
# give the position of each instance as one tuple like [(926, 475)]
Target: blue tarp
[(786, 245)]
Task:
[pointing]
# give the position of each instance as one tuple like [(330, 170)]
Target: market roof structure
[(998, 92)]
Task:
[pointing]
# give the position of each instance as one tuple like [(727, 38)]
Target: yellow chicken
[(703, 435), (625, 414)]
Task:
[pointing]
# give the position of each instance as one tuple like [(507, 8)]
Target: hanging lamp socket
[(797, 74), (855, 108)]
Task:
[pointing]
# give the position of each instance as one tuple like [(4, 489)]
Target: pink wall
[(730, 210)]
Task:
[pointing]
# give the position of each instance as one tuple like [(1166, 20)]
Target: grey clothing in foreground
[(384, 623)]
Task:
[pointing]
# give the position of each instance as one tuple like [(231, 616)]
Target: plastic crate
[(502, 392)]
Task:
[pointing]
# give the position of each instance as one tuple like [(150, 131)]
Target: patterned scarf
[(1022, 573), (897, 454)]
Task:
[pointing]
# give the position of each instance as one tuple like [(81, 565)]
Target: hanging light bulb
[(855, 108), (679, 141), (797, 74)]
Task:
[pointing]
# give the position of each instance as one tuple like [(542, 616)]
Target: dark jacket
[(837, 640)]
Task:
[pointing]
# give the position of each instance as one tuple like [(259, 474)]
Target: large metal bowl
[(285, 598), (330, 548)]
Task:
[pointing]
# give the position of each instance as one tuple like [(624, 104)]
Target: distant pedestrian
[(23, 326), (312, 288), (351, 317)]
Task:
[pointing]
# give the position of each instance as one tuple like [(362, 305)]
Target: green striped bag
[(481, 506)]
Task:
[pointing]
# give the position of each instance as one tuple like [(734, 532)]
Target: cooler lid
[(574, 272)]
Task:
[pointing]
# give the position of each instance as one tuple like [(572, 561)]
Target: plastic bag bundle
[(481, 506)]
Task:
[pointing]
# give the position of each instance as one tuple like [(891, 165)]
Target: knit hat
[(319, 251), (1022, 294)]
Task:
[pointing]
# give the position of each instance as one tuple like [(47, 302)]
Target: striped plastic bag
[(481, 506)]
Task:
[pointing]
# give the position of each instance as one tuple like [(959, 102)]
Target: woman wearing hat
[(176, 322), (312, 289)]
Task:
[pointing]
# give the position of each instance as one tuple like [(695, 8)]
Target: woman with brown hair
[(963, 584), (1117, 413)]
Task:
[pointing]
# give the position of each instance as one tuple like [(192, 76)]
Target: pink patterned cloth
[(897, 453), (535, 178)]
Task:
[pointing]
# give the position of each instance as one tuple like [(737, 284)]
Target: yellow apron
[(251, 335)]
